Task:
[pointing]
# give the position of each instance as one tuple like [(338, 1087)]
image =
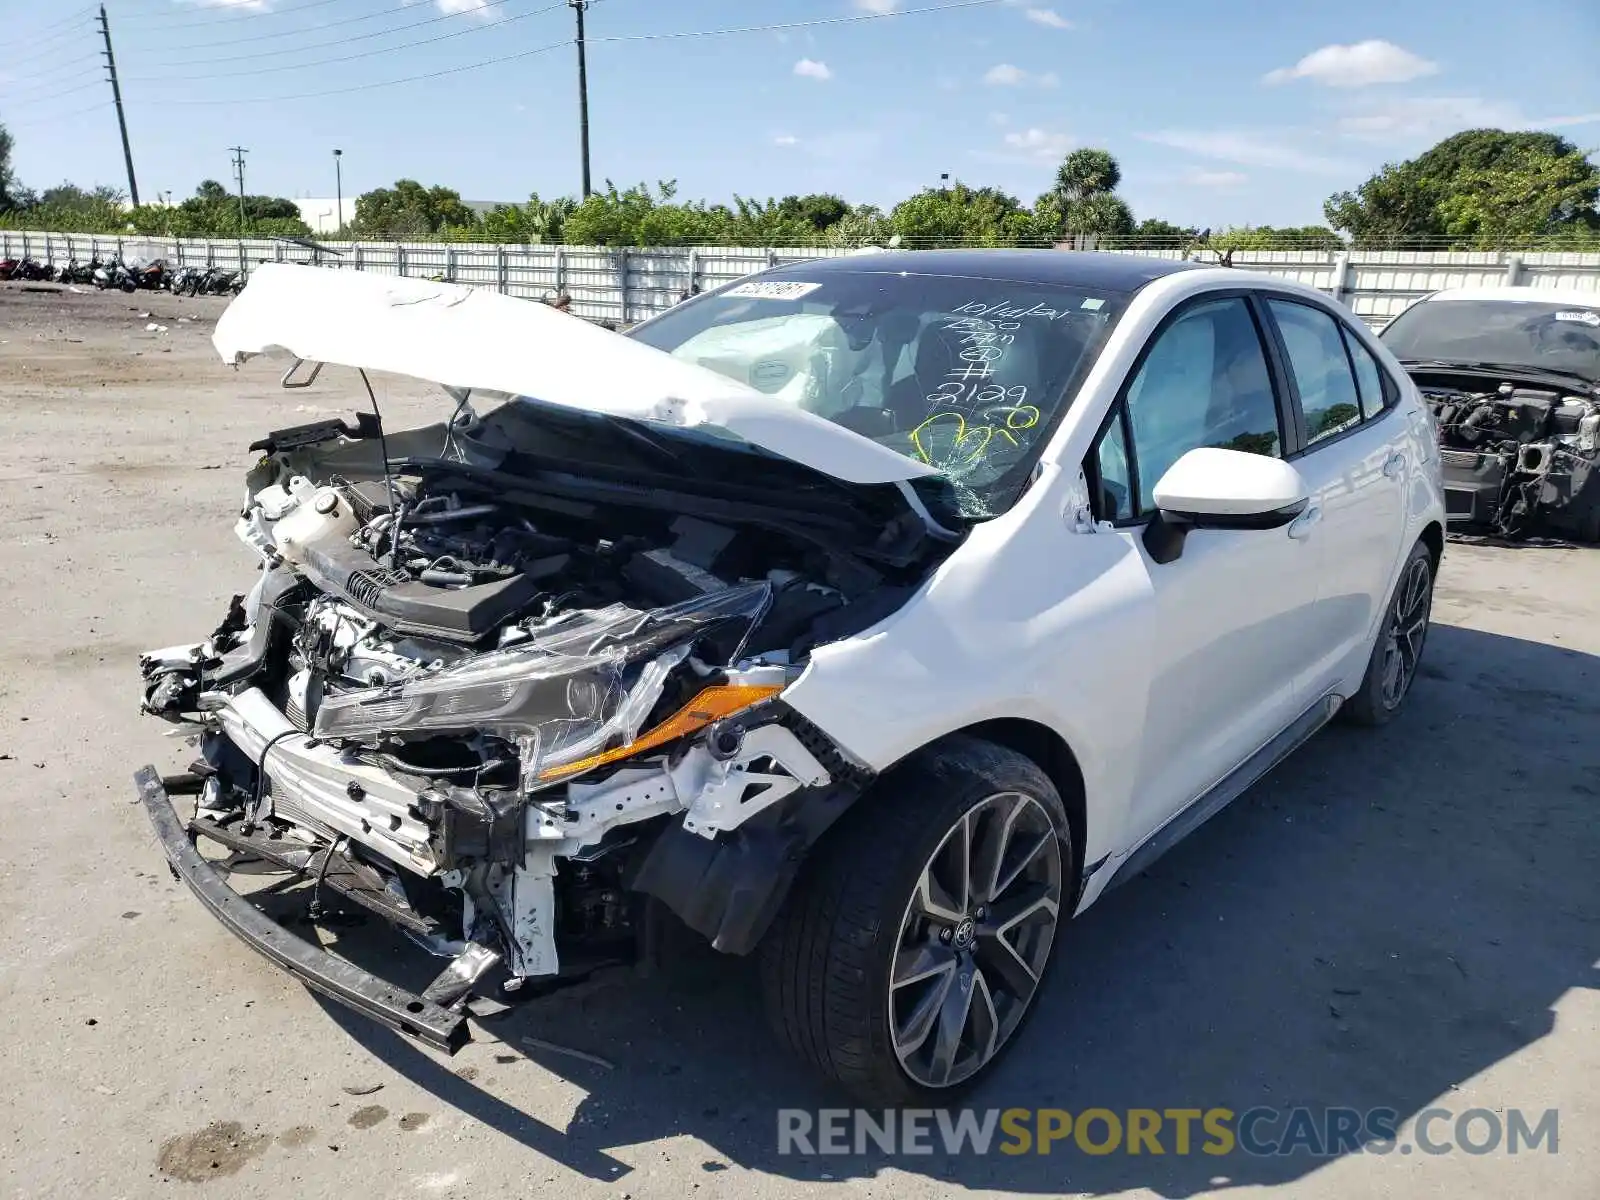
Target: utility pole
[(583, 94), (116, 95), (338, 186), (238, 170)]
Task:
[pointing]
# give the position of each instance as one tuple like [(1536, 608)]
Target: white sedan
[(875, 615)]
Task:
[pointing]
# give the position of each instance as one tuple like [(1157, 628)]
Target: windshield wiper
[(633, 430), (1516, 370)]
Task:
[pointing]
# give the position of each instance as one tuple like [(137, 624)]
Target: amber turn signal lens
[(710, 705)]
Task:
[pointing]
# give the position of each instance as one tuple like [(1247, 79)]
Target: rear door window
[(1321, 368)]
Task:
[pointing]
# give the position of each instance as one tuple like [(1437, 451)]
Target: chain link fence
[(626, 285)]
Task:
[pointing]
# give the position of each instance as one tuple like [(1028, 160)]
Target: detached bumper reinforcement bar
[(316, 968)]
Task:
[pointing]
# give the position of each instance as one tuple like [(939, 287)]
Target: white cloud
[(1048, 16), (255, 4), (1039, 144), (1414, 118), (810, 68), (1250, 149), (1006, 75), (1357, 65), (1563, 122), (878, 6), (452, 7), (1215, 179), (999, 118), (785, 139)]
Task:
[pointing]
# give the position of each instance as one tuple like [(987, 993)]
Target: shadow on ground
[(1386, 915)]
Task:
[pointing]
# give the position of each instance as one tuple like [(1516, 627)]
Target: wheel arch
[(1433, 537), (1048, 751)]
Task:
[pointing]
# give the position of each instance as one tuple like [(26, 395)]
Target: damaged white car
[(872, 614)]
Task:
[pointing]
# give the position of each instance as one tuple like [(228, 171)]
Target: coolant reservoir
[(324, 513)]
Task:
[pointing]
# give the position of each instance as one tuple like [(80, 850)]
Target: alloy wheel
[(974, 939), (1407, 630)]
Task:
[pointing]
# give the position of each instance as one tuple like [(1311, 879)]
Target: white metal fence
[(626, 285)]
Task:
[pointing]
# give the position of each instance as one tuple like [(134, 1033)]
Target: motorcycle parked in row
[(114, 273), (214, 281), (78, 272), (149, 276), (27, 270)]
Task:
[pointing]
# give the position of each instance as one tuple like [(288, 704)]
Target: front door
[(1230, 623)]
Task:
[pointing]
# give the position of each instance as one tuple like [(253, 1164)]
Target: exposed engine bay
[(492, 687), (1519, 460)]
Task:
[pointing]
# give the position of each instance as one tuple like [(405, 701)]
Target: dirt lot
[(1402, 919)]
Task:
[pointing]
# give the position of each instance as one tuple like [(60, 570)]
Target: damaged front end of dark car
[(1512, 376), (512, 681)]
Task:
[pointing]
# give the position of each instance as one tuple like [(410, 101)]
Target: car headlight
[(575, 697)]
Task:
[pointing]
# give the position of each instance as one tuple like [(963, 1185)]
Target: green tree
[(768, 223), (822, 211), (1084, 200), (1269, 237), (213, 212), (1529, 196), (1085, 173), (638, 217), (1158, 231), (68, 208), (863, 225), (1480, 186), (537, 222), (8, 179), (410, 212), (959, 215)]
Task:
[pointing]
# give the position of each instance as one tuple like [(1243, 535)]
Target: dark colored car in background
[(1512, 376)]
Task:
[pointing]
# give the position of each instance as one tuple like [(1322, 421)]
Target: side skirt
[(1230, 788)]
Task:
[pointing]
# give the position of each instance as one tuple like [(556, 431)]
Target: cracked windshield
[(968, 376)]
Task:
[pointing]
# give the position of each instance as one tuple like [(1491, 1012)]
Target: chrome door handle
[(1395, 466), (1300, 528)]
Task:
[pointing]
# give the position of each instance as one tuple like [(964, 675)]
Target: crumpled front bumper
[(402, 1011)]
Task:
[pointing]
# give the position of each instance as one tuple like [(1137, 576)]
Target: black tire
[(1404, 632), (826, 963)]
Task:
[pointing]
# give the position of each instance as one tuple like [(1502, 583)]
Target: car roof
[(1066, 268), (1521, 295)]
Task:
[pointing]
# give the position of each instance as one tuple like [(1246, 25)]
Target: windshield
[(966, 375), (1547, 336)]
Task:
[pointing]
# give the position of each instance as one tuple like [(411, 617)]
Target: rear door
[(1352, 450)]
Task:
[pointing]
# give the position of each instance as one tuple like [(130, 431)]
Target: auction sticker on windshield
[(1580, 316), (773, 289)]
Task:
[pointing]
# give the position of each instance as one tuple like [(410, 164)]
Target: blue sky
[(1221, 113)]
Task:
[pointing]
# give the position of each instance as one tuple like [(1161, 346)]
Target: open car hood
[(468, 337)]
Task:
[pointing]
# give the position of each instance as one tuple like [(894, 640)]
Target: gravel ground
[(1401, 919)]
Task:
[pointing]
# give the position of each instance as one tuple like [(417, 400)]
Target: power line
[(32, 100), (344, 58), (364, 87), (522, 54), (852, 19), (54, 43), (232, 18), (34, 83), (372, 16), (81, 15), (38, 122), (45, 32)]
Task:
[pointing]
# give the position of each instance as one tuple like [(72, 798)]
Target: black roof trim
[(1062, 268)]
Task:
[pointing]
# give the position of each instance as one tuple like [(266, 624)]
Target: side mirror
[(1210, 488)]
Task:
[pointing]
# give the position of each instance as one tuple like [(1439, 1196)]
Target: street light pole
[(338, 186), (583, 94)]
